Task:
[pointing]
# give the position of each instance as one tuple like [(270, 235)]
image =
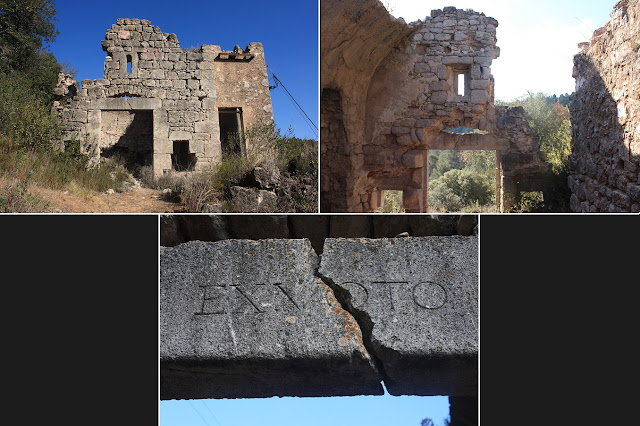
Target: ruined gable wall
[(412, 98), (605, 116), (179, 86), (389, 91), (245, 84)]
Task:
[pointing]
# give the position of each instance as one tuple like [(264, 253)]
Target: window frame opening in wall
[(182, 160), (459, 163), (390, 201), (127, 134), (461, 74), (231, 123), (129, 65)]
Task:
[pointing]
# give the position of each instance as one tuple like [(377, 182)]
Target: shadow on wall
[(129, 136), (177, 229), (603, 169), (335, 164)]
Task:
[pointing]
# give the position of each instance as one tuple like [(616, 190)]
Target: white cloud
[(538, 58)]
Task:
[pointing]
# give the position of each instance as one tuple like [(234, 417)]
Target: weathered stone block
[(205, 126), (417, 299), (439, 97), (479, 97), (413, 159), (242, 318)]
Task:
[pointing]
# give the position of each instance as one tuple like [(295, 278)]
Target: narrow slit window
[(461, 75), (461, 85), (129, 61)]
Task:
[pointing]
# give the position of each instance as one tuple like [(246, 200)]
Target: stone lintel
[(126, 104), (246, 319), (445, 141), (417, 302)]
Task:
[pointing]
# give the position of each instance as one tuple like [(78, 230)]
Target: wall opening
[(231, 131), (390, 201), (462, 181), (129, 62), (461, 80), (460, 88), (181, 159), (128, 136)]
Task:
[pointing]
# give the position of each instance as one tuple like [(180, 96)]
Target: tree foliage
[(441, 162), (26, 27), (26, 122), (457, 189), (461, 180), (550, 122)]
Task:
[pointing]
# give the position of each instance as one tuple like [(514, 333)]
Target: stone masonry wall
[(147, 69), (605, 115), (377, 131)]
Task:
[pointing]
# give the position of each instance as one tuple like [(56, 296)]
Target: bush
[(392, 202), (25, 116), (458, 188), (15, 198)]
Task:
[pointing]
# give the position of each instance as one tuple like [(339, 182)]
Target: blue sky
[(537, 38), (288, 29), (353, 410)]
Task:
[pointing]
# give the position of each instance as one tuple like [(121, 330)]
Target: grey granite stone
[(241, 318), (416, 300)]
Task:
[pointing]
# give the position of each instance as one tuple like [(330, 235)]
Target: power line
[(196, 410), (204, 402), (299, 108)]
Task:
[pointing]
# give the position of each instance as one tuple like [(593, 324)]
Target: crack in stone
[(362, 319)]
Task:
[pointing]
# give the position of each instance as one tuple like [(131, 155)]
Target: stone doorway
[(231, 131), (127, 134)]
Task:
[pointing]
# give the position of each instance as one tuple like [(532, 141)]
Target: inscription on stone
[(237, 298), (246, 319), (419, 297), (426, 295)]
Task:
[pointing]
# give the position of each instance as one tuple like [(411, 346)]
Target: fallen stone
[(265, 178), (416, 300), (247, 319), (252, 200)]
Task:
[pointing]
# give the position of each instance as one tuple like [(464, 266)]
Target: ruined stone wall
[(147, 70), (245, 86), (406, 96), (605, 115)]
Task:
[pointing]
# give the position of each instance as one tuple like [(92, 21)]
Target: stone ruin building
[(389, 92), (605, 117), (163, 106)]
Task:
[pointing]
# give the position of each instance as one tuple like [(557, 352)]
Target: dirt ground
[(138, 200)]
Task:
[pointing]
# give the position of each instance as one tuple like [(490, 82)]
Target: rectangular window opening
[(231, 131), (181, 159), (129, 61), (462, 181), (391, 201), (461, 80), (461, 85)]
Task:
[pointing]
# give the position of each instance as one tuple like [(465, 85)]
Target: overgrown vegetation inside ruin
[(294, 161), (548, 118), (465, 180)]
